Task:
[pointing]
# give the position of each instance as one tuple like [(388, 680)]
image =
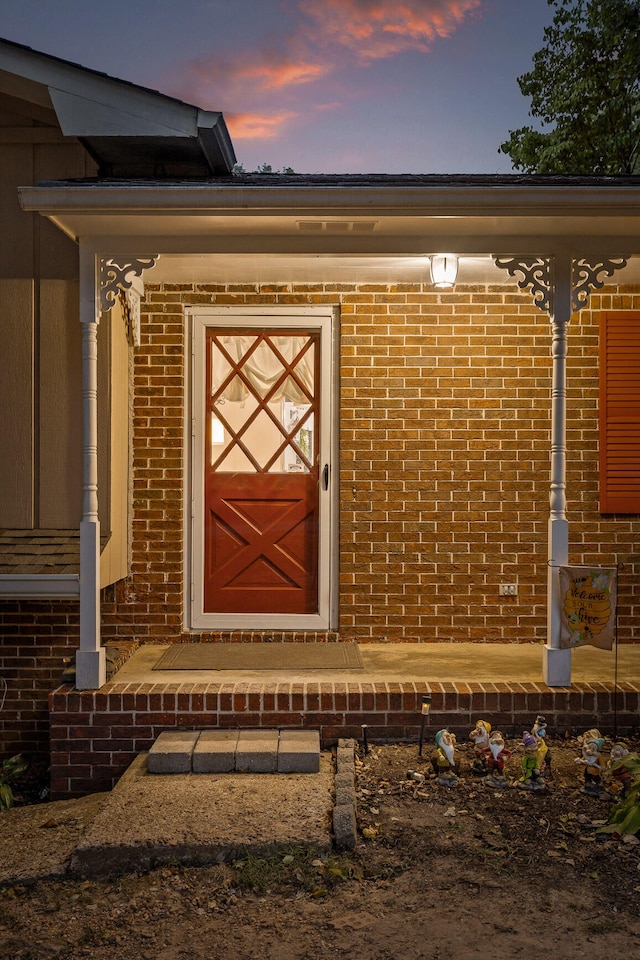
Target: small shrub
[(10, 770)]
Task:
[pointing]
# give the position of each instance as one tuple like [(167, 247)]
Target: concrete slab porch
[(95, 735)]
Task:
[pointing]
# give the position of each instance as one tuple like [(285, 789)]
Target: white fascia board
[(340, 200), (40, 586)]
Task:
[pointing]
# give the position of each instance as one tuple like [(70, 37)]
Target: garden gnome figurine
[(619, 772), (593, 765), (480, 737), (539, 731), (531, 778), (443, 759), (592, 734), (496, 756)]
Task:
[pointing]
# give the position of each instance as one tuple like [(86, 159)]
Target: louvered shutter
[(620, 413)]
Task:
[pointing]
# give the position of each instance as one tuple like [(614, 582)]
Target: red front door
[(261, 472)]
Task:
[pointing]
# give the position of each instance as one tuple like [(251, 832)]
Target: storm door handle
[(325, 476)]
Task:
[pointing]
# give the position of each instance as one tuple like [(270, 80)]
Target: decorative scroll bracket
[(119, 273), (537, 274), (586, 277)]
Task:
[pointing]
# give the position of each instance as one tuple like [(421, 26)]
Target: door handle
[(325, 476)]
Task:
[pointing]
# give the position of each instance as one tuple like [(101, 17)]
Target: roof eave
[(445, 199), (41, 586)]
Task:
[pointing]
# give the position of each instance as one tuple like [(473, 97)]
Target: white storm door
[(262, 538)]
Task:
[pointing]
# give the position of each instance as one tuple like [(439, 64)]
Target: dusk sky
[(323, 86)]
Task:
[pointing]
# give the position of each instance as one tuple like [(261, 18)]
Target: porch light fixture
[(444, 270)]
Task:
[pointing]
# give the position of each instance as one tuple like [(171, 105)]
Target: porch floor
[(450, 663)]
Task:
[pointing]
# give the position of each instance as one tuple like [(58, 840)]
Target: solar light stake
[(426, 706), (365, 742)]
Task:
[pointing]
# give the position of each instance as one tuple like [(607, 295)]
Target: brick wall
[(36, 637), (444, 435)]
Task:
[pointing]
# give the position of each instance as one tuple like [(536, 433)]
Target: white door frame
[(324, 320)]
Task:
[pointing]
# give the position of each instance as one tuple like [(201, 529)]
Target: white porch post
[(90, 658), (561, 286), (556, 663)]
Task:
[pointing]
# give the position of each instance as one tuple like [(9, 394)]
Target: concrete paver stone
[(172, 751), (299, 751), (215, 751), (257, 751)]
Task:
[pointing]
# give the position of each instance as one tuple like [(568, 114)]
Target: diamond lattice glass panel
[(262, 371), (263, 438), (236, 461), (220, 369), (238, 347), (219, 438)]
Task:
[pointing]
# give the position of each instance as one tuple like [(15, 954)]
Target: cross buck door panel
[(262, 455)]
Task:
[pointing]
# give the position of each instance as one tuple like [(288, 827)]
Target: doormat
[(260, 656)]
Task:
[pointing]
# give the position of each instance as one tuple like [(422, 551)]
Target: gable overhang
[(130, 131)]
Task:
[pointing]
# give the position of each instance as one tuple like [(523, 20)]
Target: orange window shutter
[(620, 412)]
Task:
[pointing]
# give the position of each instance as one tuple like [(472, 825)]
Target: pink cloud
[(261, 90), (275, 76), (247, 79), (257, 126), (376, 29)]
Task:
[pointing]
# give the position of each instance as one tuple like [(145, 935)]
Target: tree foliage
[(262, 168), (585, 92)]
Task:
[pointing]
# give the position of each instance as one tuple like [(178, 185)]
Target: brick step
[(235, 751)]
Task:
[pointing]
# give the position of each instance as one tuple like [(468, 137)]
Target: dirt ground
[(440, 873)]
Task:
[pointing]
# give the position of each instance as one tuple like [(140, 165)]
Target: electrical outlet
[(508, 589)]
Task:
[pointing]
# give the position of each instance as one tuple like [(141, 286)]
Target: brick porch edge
[(94, 736)]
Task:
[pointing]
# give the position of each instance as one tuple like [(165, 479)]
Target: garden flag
[(588, 600)]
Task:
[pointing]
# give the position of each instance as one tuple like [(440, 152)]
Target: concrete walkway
[(205, 818), (150, 819)]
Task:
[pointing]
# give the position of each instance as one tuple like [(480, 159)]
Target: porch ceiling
[(265, 269)]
